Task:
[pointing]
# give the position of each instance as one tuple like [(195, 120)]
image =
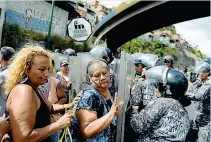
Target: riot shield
[(114, 65), (150, 59), (159, 73), (77, 74), (73, 76), (125, 77), (58, 58), (136, 55)]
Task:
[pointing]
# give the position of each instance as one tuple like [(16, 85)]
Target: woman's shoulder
[(89, 93), (89, 100), (22, 93), (21, 90)]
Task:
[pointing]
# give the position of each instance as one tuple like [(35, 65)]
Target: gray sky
[(197, 32)]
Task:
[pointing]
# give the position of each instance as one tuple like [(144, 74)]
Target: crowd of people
[(35, 102)]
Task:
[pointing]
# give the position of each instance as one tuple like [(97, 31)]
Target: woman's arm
[(60, 105), (62, 98), (4, 126), (23, 119), (91, 125), (66, 85)]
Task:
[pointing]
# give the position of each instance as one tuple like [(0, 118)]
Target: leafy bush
[(13, 35), (198, 53)]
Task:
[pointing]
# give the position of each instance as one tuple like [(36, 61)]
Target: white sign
[(79, 29)]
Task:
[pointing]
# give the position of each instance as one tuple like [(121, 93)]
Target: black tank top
[(43, 113)]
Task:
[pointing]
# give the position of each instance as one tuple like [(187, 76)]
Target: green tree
[(155, 47)]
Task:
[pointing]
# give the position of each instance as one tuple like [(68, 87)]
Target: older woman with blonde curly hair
[(29, 111)]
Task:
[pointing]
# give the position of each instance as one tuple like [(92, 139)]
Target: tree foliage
[(198, 53), (171, 28), (155, 47)]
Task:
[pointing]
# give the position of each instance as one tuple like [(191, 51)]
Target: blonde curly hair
[(21, 62)]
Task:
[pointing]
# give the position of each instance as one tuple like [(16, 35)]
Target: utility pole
[(50, 26), (2, 19)]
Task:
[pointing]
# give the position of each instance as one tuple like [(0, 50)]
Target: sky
[(111, 3), (196, 32)]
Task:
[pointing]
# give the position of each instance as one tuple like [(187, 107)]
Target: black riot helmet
[(172, 83), (70, 52), (102, 53)]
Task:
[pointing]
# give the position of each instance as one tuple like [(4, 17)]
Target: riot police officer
[(200, 93), (194, 74), (143, 91), (164, 119), (139, 66), (168, 61)]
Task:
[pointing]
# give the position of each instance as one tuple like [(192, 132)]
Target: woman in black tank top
[(29, 111)]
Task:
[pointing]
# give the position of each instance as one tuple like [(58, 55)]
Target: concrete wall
[(36, 15)]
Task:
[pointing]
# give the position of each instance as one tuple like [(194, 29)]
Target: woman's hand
[(135, 107), (74, 102), (65, 120), (4, 125), (69, 85), (115, 107)]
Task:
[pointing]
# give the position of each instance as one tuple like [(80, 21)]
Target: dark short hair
[(7, 53)]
